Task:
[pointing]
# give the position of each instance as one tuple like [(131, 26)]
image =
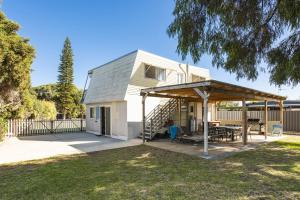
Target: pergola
[(212, 91)]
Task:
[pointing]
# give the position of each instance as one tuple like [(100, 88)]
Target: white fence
[(291, 119), (21, 127)]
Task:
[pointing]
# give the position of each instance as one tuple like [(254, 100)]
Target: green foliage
[(27, 108), (228, 105), (3, 127), (46, 92), (49, 93), (65, 102), (79, 108), (240, 35), (16, 56), (44, 110)]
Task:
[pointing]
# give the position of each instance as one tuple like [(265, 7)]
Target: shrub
[(44, 110), (3, 128)]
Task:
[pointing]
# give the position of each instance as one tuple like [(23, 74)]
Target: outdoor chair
[(277, 129), (229, 133), (238, 134), (249, 132)]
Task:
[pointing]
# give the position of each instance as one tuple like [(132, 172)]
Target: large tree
[(16, 57), (65, 103), (48, 92), (241, 34)]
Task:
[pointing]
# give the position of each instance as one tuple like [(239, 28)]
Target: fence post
[(8, 127), (19, 130), (81, 124), (52, 126)]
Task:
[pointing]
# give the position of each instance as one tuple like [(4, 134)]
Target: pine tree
[(65, 101)]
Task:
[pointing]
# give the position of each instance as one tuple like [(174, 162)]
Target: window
[(180, 78), (92, 112), (97, 113), (196, 78), (155, 73)]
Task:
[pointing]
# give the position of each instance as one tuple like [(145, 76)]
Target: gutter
[(185, 73)]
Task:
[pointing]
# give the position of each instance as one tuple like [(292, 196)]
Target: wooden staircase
[(157, 118)]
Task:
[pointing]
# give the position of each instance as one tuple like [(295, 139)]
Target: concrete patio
[(16, 149), (216, 150)]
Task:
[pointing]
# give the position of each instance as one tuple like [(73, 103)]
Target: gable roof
[(109, 81), (127, 54)]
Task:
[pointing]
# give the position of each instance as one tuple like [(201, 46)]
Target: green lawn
[(270, 172)]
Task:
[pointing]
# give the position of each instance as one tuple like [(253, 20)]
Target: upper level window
[(196, 78), (180, 78), (155, 73), (92, 112)]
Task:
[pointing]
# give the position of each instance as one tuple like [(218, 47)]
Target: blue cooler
[(173, 132)]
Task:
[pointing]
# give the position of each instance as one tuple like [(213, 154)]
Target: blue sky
[(103, 30)]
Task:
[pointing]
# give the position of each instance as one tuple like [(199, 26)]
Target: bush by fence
[(3, 128)]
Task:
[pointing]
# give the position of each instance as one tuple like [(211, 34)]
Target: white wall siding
[(119, 120), (134, 111), (119, 128)]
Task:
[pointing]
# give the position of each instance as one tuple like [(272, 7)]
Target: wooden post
[(216, 111), (204, 95), (245, 123), (266, 118), (281, 113), (52, 126), (144, 118), (19, 128), (81, 124), (180, 113), (187, 124), (205, 101)]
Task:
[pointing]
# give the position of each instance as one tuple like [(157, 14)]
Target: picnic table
[(232, 130)]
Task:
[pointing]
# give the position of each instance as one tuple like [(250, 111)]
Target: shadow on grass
[(270, 171)]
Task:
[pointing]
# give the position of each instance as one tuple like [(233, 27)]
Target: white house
[(113, 101)]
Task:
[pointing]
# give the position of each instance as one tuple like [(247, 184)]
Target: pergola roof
[(218, 91)]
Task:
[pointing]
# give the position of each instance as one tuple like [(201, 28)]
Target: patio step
[(147, 136)]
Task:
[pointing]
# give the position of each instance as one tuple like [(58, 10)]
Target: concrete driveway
[(42, 146)]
